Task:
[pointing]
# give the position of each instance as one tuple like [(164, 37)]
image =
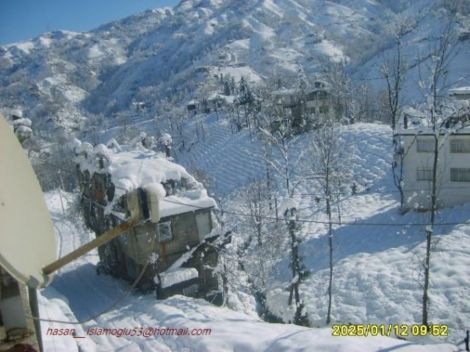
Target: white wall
[(449, 193)]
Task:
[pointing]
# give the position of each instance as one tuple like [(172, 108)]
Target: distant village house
[(305, 109)]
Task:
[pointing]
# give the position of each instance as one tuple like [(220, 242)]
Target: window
[(459, 175), (460, 146), (425, 145), (424, 174), (322, 95), (164, 231)]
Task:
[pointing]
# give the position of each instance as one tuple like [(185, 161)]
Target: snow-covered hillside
[(138, 74), (377, 267), (77, 292), (61, 78)]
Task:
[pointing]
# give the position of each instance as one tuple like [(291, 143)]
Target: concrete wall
[(449, 193), (127, 255)]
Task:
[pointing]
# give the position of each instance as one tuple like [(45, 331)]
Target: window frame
[(324, 109), (168, 226), (423, 174), (419, 145), (459, 146), (459, 174)]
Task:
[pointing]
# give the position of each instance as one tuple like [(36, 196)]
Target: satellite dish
[(27, 239)]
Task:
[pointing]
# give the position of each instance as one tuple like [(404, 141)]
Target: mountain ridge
[(60, 78)]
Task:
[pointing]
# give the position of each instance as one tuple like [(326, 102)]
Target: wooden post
[(99, 241)]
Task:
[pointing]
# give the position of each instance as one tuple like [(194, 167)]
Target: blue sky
[(25, 19)]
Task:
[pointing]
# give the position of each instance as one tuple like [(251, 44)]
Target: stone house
[(112, 184), (192, 106)]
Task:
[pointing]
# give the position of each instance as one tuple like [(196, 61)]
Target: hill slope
[(61, 78)]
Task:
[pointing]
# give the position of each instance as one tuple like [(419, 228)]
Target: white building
[(462, 93), (414, 155)]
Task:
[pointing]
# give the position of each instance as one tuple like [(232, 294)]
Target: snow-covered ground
[(143, 57), (377, 269)]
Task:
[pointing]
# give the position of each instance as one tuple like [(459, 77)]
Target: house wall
[(318, 106), (204, 259), (417, 193), (319, 102), (126, 255)]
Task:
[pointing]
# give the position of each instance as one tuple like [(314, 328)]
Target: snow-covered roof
[(414, 120), (17, 112), (289, 92), (165, 138), (284, 91), (215, 96), (229, 99), (320, 84), (22, 121), (460, 91), (133, 168), (23, 130)]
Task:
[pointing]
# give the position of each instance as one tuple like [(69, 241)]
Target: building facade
[(111, 183), (453, 169), (305, 109), (414, 156)]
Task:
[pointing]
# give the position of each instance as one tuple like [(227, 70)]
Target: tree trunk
[(299, 318), (276, 208), (330, 245), (429, 232)]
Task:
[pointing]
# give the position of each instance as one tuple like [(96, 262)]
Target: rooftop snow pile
[(171, 278), (453, 116), (460, 91), (131, 168)]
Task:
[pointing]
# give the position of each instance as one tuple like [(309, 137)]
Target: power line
[(355, 223), (370, 191)]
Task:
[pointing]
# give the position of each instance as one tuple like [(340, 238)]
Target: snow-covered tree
[(340, 85), (289, 210), (165, 142), (393, 69), (278, 137), (442, 120), (263, 246), (330, 168), (399, 156)]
